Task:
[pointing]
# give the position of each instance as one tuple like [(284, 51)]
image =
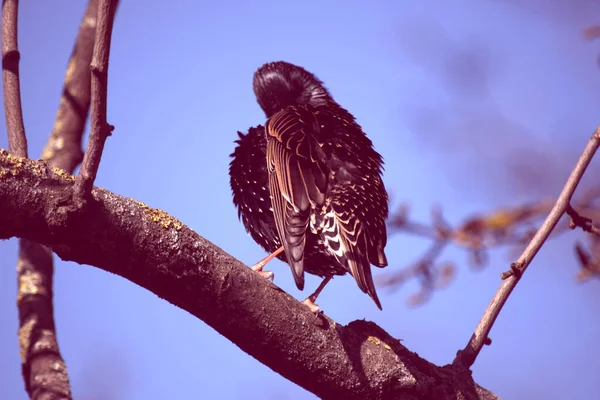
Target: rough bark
[(43, 368), (156, 251)]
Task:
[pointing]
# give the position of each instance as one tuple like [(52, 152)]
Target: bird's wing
[(346, 237), (297, 179)]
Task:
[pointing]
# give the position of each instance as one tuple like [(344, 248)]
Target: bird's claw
[(267, 275), (310, 303), (258, 267)]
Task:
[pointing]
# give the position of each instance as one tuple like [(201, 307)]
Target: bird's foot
[(310, 303), (258, 268), (267, 275)]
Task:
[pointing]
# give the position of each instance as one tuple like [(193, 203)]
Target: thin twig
[(100, 129), (17, 141), (467, 356), (578, 220), (44, 370)]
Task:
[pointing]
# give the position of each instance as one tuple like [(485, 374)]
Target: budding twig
[(467, 356), (100, 129)]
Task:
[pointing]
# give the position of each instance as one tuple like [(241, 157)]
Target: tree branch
[(156, 251), (468, 355), (43, 368), (512, 226), (99, 80), (63, 149), (17, 141)]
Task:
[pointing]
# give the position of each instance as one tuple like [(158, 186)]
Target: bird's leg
[(258, 267), (310, 300)]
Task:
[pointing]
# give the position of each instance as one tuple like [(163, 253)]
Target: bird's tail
[(350, 249)]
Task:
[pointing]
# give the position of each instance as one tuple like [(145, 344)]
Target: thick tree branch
[(43, 368), (159, 253), (17, 141), (99, 129), (468, 355)]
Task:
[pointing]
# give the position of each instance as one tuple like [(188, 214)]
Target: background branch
[(63, 149), (43, 368), (156, 251), (17, 141), (99, 129), (468, 355), (479, 233)]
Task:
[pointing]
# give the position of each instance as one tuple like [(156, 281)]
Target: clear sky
[(466, 101)]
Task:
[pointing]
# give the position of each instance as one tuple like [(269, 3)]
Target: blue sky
[(457, 97)]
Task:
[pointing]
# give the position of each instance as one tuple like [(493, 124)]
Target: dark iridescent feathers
[(250, 187), (279, 84), (323, 177), (249, 182)]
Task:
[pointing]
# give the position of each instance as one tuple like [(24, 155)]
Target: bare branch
[(43, 368), (511, 226), (156, 251), (63, 149), (468, 355), (99, 129), (17, 141)]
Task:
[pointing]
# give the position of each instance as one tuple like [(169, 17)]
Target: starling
[(310, 176)]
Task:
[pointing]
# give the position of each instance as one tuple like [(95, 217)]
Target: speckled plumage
[(311, 156)]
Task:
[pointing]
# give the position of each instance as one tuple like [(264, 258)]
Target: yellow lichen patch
[(63, 174), (25, 333), (17, 164), (377, 341), (139, 203), (160, 216), (69, 74), (14, 161), (30, 283)]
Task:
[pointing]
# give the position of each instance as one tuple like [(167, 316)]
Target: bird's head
[(280, 84)]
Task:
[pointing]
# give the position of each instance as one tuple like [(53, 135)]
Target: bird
[(307, 184)]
